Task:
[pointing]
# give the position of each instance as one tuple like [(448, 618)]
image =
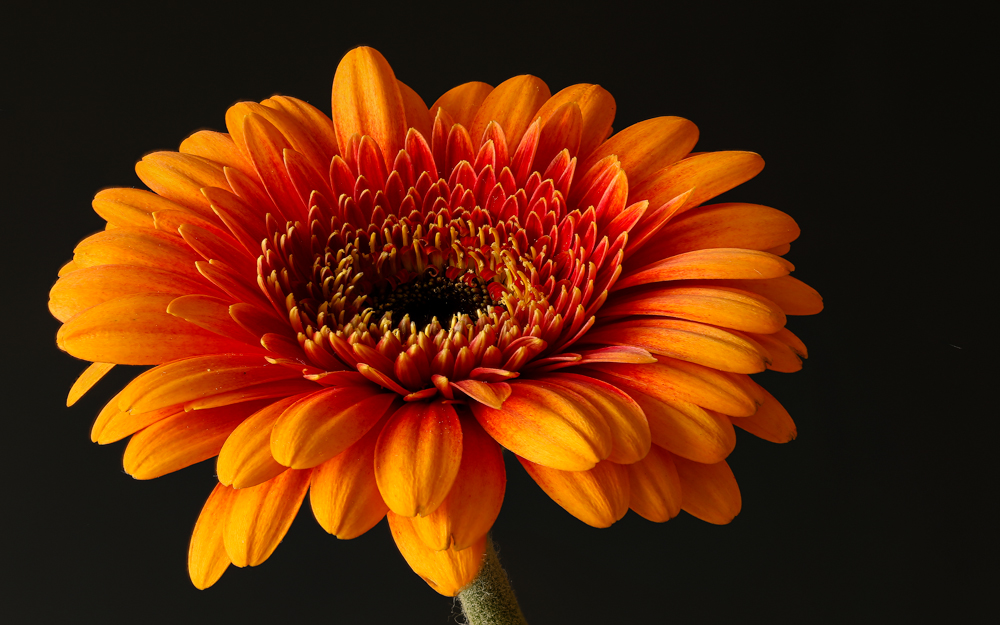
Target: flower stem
[(489, 600)]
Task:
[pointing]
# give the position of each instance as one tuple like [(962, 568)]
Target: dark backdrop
[(877, 511)]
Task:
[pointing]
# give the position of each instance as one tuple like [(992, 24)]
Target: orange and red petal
[(708, 491), (259, 517), (654, 488), (367, 101), (598, 496), (447, 571), (245, 458)]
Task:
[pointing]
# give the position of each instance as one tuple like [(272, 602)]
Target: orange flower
[(370, 308)]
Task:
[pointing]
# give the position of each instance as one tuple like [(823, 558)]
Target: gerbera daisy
[(371, 308)]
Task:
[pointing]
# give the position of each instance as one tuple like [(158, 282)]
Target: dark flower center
[(431, 295)]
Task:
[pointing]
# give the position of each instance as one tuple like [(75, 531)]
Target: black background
[(876, 142)]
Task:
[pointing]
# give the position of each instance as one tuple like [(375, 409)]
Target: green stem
[(489, 600)]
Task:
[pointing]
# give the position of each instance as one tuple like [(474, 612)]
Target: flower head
[(370, 308)]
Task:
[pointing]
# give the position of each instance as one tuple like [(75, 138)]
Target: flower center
[(432, 296)]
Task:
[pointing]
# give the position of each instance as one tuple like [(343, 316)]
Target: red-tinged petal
[(747, 226), (260, 516), (137, 330), (771, 422), (462, 102), (417, 115), (627, 353), (726, 307), (648, 146), (212, 314), (474, 501), (561, 130), (654, 488), (630, 438), (290, 128), (548, 425), (686, 429), (140, 247), (264, 390), (709, 174), (598, 497), (783, 357), (90, 376), (324, 423), (266, 146), (182, 440), (448, 571), (678, 380), (314, 124), (794, 296), (492, 395), (709, 491), (218, 147), (711, 264), (193, 378), (90, 286), (131, 207), (685, 340), (180, 178), (513, 105), (367, 101), (344, 494), (245, 458), (418, 456), (597, 108), (207, 557)]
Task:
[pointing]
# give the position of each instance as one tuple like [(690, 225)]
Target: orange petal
[(245, 459), (709, 174), (260, 516), (747, 226), (324, 423), (630, 438), (311, 122), (138, 246), (448, 571), (218, 147), (344, 495), (90, 376), (367, 101), (212, 314), (193, 378), (685, 340), (654, 488), (418, 456), (794, 296), (492, 395), (90, 286), (709, 491), (598, 497), (771, 422), (561, 130), (646, 147), (720, 306), (672, 379), (122, 424), (182, 440), (783, 356), (711, 264), (474, 501), (207, 557), (295, 131), (548, 425), (180, 178), (513, 105), (131, 207), (462, 102), (417, 115), (137, 330), (597, 108), (686, 429)]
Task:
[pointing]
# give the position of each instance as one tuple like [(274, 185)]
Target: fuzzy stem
[(489, 600)]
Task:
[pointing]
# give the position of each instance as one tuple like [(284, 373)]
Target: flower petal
[(597, 108), (212, 314), (417, 115), (598, 497), (418, 456), (140, 247), (367, 101), (137, 330), (344, 495), (90, 376), (654, 488), (720, 263), (686, 429), (646, 147), (207, 557), (474, 501), (180, 178), (709, 491), (549, 425), (771, 422), (720, 306), (513, 105), (709, 174), (245, 458), (217, 147), (260, 516), (131, 207), (182, 440), (794, 296), (448, 571), (462, 102), (323, 424), (630, 438)]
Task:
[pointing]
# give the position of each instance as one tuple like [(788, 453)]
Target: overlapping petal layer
[(371, 307)]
